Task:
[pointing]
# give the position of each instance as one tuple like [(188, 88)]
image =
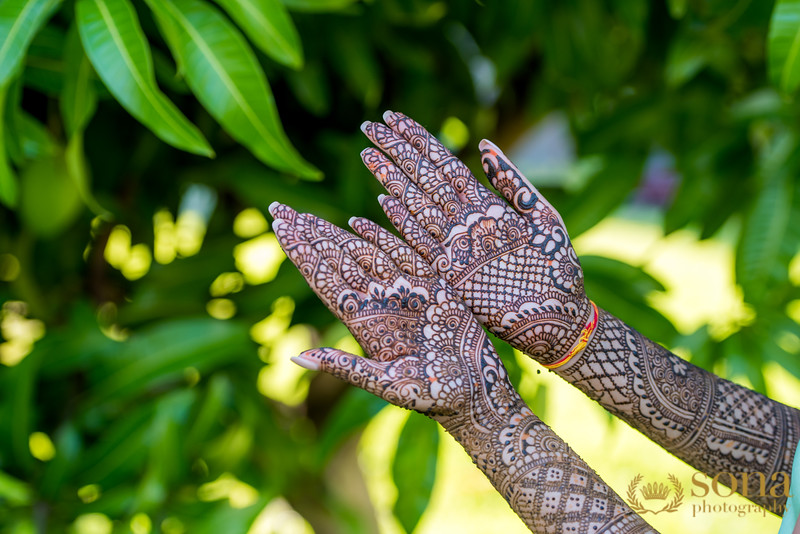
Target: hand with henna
[(513, 264), (427, 353), (515, 268)]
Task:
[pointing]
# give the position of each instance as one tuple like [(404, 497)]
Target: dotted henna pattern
[(427, 353), (515, 268)]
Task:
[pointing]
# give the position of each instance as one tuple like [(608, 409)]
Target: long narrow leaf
[(78, 104), (267, 23), (117, 48), (221, 69), (784, 45), (19, 22), (414, 469), (8, 180), (318, 6)]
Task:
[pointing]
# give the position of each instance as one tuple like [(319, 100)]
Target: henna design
[(513, 265), (517, 271), (427, 353), (710, 423)]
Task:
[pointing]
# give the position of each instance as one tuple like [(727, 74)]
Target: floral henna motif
[(711, 423), (526, 286), (512, 264), (427, 353)]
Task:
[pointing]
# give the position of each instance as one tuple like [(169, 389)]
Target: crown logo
[(655, 491)]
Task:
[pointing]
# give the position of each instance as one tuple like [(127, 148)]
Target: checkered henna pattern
[(512, 263)]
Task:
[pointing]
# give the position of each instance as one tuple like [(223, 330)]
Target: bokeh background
[(148, 314)]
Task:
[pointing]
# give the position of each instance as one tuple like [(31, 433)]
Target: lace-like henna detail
[(513, 264), (430, 355), (710, 423)]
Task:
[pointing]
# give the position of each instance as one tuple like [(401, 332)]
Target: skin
[(428, 353), (513, 265)]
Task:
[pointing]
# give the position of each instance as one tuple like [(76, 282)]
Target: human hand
[(513, 264), (427, 352)]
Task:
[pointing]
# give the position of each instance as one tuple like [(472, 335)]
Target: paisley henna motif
[(513, 265), (427, 353), (515, 268)]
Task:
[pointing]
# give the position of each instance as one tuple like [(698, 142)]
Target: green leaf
[(116, 46), (8, 180), (13, 491), (783, 45), (19, 22), (78, 98), (222, 71), (318, 6), (352, 412), (78, 104), (414, 469), (162, 353), (49, 200), (762, 235), (267, 23)]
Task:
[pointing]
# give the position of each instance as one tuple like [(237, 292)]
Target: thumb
[(509, 181), (367, 374)]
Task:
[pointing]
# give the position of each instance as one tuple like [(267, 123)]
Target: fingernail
[(381, 197), (364, 126), (350, 221), (365, 152), (389, 116), (272, 207), (486, 145), (277, 224), (311, 365)]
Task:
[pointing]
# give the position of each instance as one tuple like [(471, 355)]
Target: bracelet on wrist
[(579, 345)]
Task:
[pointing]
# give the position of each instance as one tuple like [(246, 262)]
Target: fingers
[(372, 261), (416, 236), (510, 182), (367, 374), (401, 254), (309, 229), (419, 169), (452, 168), (418, 203), (320, 274)]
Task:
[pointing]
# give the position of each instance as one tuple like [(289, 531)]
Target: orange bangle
[(586, 333)]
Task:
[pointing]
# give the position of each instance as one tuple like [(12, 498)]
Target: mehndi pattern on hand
[(427, 353), (513, 264)]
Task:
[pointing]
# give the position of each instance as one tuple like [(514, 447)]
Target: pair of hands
[(468, 255)]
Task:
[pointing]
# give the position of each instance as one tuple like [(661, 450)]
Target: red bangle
[(586, 333)]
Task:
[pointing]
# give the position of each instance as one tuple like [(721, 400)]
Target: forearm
[(544, 481), (711, 423)]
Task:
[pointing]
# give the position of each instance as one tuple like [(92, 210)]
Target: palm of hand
[(427, 352), (513, 264)]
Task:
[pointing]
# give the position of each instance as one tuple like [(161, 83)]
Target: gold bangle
[(580, 344)]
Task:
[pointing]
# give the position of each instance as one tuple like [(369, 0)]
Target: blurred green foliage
[(147, 315)]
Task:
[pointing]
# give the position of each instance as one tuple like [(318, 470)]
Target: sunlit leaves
[(223, 72), (119, 52), (784, 45)]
